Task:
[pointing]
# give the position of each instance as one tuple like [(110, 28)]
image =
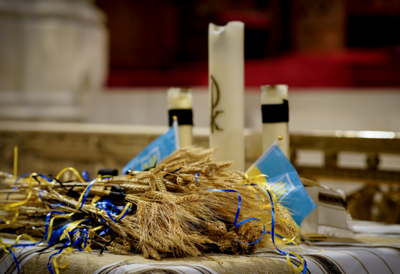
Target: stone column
[(53, 54)]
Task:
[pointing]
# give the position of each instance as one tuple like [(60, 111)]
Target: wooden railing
[(370, 143), (49, 147)]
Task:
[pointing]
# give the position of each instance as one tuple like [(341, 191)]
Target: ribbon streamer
[(103, 206), (49, 223), (238, 211), (303, 266), (47, 204), (19, 245), (15, 162), (86, 175), (81, 201), (15, 183)]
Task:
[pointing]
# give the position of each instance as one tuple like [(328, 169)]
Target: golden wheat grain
[(189, 199), (134, 188), (127, 245), (217, 228), (118, 246), (220, 165), (151, 252), (289, 228), (179, 181), (160, 185), (157, 169), (171, 186), (155, 195), (116, 250)]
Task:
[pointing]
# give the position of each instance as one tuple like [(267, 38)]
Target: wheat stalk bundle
[(177, 209)]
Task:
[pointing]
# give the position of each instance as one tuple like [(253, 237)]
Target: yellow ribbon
[(56, 264), (15, 162), (95, 200), (31, 183), (119, 216), (300, 267), (7, 246), (69, 228), (256, 181), (8, 222), (127, 207), (250, 181), (61, 173), (73, 171), (65, 216)]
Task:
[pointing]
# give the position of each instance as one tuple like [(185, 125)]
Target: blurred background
[(81, 62), (60, 59), (303, 43)]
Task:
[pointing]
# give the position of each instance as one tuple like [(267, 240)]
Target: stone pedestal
[(53, 54)]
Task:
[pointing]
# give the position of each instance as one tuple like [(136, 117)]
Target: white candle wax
[(226, 84), (182, 98), (274, 95)]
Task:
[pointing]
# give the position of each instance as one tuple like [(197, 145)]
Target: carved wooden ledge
[(49, 147), (331, 143)]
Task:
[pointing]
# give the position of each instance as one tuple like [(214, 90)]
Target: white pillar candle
[(226, 84), (182, 99), (275, 112)]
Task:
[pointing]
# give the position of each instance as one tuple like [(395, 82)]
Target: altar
[(375, 249), (233, 195)]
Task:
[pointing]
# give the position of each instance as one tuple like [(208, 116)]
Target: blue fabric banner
[(284, 181), (155, 152)]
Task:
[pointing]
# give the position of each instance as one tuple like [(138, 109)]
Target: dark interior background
[(163, 35)]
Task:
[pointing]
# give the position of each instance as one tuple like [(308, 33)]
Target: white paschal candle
[(180, 102), (275, 116), (226, 85)]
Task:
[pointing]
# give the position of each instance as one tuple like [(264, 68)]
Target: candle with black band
[(180, 102), (275, 117)]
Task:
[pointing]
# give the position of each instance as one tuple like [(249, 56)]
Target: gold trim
[(315, 262), (354, 258), (380, 258), (334, 261)]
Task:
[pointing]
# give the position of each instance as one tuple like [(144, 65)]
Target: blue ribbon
[(50, 205), (103, 232), (48, 221), (46, 231), (83, 238), (106, 204), (62, 213), (272, 232), (52, 255), (19, 245), (86, 175), (87, 193), (238, 211), (16, 181)]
